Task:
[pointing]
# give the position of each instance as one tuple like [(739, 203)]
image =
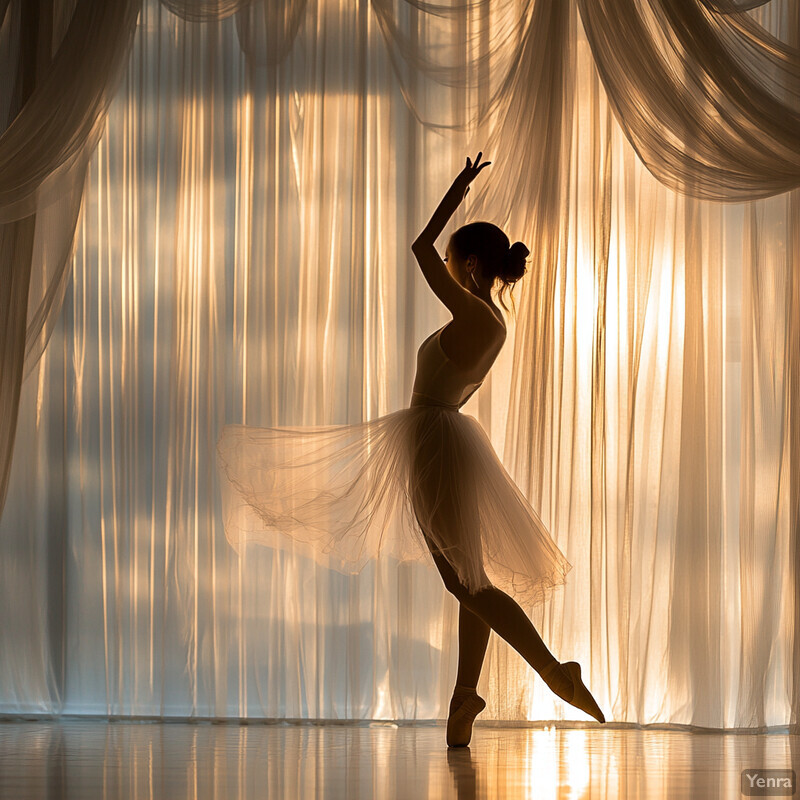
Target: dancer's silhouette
[(423, 481), (450, 367)]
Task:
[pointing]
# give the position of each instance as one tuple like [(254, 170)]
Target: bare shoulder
[(480, 320)]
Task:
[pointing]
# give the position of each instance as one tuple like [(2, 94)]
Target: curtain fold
[(242, 255), (709, 101), (209, 10), (62, 115), (457, 45), (66, 67), (267, 31)]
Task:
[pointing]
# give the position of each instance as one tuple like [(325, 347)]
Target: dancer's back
[(440, 380)]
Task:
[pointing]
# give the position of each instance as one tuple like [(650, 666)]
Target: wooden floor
[(87, 759)]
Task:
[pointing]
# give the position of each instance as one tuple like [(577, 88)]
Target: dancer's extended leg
[(507, 618)]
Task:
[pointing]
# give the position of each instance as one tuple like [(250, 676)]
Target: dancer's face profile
[(458, 267)]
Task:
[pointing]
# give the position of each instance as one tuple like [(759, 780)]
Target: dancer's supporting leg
[(466, 704), (473, 638)]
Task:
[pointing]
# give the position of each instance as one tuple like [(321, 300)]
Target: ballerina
[(477, 257), (422, 482)]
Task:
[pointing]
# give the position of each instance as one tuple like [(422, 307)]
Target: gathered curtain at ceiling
[(206, 209)]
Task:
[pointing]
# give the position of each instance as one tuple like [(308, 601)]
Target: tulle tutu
[(418, 478)]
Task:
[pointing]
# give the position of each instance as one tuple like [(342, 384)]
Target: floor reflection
[(98, 759)]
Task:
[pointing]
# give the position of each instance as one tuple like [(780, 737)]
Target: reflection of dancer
[(447, 472), (464, 774), (420, 482)]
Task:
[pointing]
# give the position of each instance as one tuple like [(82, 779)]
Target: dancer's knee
[(456, 588), (450, 577), (453, 583), (469, 599)]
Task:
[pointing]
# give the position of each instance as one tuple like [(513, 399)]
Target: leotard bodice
[(439, 381)]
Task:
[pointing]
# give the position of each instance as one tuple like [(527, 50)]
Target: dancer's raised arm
[(446, 288)]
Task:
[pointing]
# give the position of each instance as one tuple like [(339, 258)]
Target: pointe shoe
[(464, 707), (581, 697)]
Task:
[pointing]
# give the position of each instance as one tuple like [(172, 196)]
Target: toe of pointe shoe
[(582, 697), (459, 723)]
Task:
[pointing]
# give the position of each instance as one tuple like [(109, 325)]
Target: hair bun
[(515, 266)]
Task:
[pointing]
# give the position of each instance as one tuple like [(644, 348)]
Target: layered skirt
[(415, 480)]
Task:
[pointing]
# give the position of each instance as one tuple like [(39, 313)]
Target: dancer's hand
[(470, 172), (448, 205)]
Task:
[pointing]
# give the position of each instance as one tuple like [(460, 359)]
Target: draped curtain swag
[(646, 150)]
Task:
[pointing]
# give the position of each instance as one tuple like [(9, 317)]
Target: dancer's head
[(481, 258)]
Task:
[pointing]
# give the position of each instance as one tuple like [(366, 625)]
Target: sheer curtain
[(242, 255)]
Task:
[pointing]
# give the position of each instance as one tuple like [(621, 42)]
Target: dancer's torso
[(439, 381)]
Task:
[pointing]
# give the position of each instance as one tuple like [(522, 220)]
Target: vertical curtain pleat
[(792, 445)]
